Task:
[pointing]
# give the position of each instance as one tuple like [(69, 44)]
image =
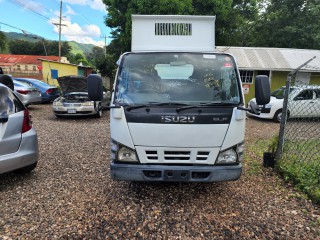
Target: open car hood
[(73, 84)]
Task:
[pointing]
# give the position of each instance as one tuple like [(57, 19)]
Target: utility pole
[(60, 25), (105, 44)]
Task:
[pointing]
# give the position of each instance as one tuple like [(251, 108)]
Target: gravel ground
[(70, 195)]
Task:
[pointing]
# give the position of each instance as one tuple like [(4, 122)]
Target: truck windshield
[(182, 78)]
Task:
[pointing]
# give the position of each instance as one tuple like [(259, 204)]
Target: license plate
[(72, 111)]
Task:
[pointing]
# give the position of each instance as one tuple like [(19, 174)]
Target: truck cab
[(177, 111)]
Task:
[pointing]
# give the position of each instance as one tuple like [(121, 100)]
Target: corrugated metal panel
[(24, 59), (273, 58)]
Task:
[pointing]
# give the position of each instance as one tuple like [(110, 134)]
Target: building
[(276, 63), (25, 65), (51, 70), (45, 68)]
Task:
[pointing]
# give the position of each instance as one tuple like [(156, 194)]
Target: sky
[(83, 19)]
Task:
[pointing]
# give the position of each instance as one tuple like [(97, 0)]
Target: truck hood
[(178, 135), (73, 84)]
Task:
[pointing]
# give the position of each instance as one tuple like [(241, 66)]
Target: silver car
[(27, 94), (18, 139), (74, 100)]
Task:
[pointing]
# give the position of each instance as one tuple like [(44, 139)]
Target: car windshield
[(280, 92), (20, 84), (188, 78)]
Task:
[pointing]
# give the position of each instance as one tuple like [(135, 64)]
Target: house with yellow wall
[(51, 70), (276, 63)]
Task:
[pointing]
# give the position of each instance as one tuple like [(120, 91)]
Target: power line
[(18, 4)]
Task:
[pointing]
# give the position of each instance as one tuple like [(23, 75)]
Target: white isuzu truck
[(177, 111)]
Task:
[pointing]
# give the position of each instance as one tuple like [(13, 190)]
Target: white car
[(74, 100), (304, 101)]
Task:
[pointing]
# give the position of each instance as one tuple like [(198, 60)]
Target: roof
[(279, 59), (10, 59)]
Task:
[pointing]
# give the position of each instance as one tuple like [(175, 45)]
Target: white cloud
[(75, 32), (86, 40), (94, 4), (32, 5), (70, 11)]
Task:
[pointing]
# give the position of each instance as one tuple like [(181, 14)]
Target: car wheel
[(7, 80), (26, 169), (277, 116)]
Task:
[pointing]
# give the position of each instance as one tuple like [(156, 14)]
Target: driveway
[(70, 194)]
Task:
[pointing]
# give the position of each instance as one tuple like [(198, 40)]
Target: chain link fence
[(298, 153)]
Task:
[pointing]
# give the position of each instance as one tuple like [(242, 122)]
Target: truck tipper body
[(177, 111)]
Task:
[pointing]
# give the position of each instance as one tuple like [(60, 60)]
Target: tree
[(3, 42), (40, 47), (233, 18), (80, 58), (20, 47), (289, 24), (96, 55)]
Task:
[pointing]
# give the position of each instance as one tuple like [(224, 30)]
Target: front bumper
[(77, 111), (155, 173)]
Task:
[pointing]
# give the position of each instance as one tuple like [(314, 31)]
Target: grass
[(300, 164), (253, 156)]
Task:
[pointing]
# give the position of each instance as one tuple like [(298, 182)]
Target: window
[(184, 78), (8, 103), (246, 76), (18, 67), (34, 68), (305, 95), (26, 68)]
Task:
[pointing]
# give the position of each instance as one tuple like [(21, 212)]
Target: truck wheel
[(277, 116), (7, 80)]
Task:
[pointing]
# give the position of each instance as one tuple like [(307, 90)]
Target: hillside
[(76, 47), (80, 47)]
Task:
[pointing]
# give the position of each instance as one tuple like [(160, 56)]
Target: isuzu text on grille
[(178, 119)]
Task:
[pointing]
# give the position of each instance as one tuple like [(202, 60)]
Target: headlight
[(269, 105), (127, 155), (227, 157), (87, 104), (122, 153), (57, 103)]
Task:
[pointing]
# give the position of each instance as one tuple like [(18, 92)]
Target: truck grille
[(176, 155)]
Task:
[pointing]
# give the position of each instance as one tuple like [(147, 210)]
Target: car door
[(303, 104), (11, 119)]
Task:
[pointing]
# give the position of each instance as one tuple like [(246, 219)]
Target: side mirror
[(4, 117), (262, 90), (95, 88)]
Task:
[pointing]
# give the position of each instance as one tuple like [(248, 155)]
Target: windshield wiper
[(204, 105), (152, 104)]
